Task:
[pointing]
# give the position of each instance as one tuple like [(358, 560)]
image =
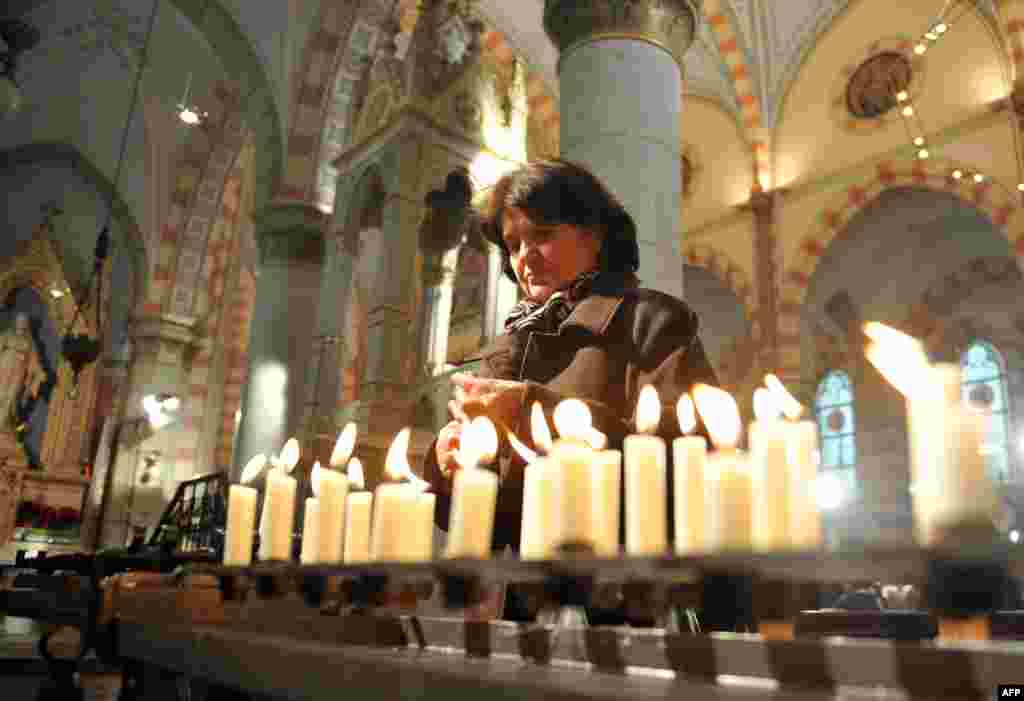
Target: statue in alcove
[(24, 381)]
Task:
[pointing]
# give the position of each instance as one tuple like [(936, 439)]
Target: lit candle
[(606, 473), (310, 530), (689, 465), (805, 531), (279, 504), (241, 518), (281, 466), (729, 486), (357, 516), (645, 466), (421, 526), (540, 516), (570, 462), (769, 474), (343, 447), (474, 492), (393, 502), (332, 494)]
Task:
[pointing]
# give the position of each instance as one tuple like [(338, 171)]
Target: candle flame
[(478, 444), (253, 468), (765, 406), (572, 419), (344, 446), (290, 455), (539, 428), (786, 402), (525, 453), (355, 474), (596, 439), (687, 414), (396, 464), (901, 359), (892, 339), (648, 410), (315, 477), (720, 414)]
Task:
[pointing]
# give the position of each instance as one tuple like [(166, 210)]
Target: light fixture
[(908, 111), (160, 409), (1020, 187), (920, 49), (188, 112), (930, 36), (919, 141), (923, 153), (902, 96), (941, 28), (1015, 536), (56, 292), (978, 177), (80, 349), (957, 174)]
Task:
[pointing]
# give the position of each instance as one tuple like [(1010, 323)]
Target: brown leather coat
[(604, 353)]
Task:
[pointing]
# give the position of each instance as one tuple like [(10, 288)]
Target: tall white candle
[(805, 515), (645, 467), (606, 473), (421, 527), (689, 465), (728, 477), (569, 463), (770, 476), (279, 504), (540, 514), (357, 516), (392, 504), (241, 519), (474, 493), (310, 531), (332, 495)]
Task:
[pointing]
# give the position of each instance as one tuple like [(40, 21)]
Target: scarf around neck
[(548, 315)]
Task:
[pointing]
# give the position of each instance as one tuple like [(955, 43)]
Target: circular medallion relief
[(873, 87)]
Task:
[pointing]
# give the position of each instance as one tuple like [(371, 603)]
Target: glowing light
[(572, 419), (979, 178), (1014, 536), (900, 358), (908, 111), (902, 96), (920, 49), (931, 36), (957, 174), (290, 455), (648, 410), (919, 141), (788, 404), (172, 403), (720, 413), (765, 407), (596, 439), (539, 428), (355, 474), (344, 446), (1020, 187), (56, 293), (478, 444), (396, 463), (923, 154), (941, 28), (686, 412), (315, 478), (189, 116), (253, 468), (525, 453), (830, 492)]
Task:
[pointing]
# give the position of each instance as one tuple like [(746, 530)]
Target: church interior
[(225, 227)]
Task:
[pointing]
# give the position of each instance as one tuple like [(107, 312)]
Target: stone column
[(143, 464), (620, 81), (291, 245), (439, 285), (766, 250)]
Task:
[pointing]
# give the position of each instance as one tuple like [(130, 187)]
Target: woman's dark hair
[(561, 192)]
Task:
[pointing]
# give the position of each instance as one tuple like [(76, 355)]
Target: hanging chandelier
[(81, 349)]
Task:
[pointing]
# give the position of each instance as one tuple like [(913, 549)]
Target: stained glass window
[(833, 407), (984, 387)]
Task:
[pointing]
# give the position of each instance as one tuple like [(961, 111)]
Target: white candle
[(729, 501), (689, 465), (770, 479), (606, 473), (279, 505), (540, 511), (392, 504), (728, 480), (357, 527), (570, 466), (333, 495), (805, 515), (241, 519), (310, 531), (421, 527), (357, 516), (474, 493), (645, 459)]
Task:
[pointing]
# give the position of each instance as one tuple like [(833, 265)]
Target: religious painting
[(469, 301)]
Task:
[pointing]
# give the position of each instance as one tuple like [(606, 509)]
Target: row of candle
[(724, 499)]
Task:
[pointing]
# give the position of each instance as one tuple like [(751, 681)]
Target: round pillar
[(282, 328), (620, 81)]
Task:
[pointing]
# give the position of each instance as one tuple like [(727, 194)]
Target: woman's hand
[(499, 400), (446, 447)]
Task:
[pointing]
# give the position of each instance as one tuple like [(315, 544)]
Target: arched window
[(984, 387), (833, 406)]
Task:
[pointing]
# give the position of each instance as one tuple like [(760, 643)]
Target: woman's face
[(546, 258)]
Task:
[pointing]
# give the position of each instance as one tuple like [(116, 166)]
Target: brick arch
[(997, 201), (731, 275), (206, 160)]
